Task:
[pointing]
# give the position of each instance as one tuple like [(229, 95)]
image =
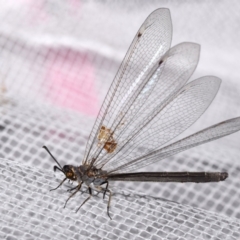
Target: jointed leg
[(105, 189), (59, 184), (110, 196), (90, 194), (109, 201), (71, 189), (56, 167), (98, 189), (78, 188)]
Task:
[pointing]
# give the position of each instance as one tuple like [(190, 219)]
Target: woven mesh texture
[(57, 62), (29, 211)]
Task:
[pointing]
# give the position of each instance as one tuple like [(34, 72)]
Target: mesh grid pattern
[(23, 185), (26, 200), (57, 64)]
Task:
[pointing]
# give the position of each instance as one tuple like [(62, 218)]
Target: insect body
[(91, 176), (148, 104)]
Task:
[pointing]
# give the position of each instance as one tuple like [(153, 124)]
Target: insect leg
[(90, 194), (105, 190), (56, 167), (71, 189), (78, 188), (109, 201), (59, 184)]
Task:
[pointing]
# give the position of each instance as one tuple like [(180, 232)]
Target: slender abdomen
[(170, 177)]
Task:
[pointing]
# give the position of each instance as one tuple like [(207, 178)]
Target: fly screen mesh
[(57, 61)]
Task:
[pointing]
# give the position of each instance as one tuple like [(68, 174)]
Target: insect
[(148, 104)]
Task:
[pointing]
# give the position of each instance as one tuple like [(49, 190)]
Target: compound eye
[(69, 174)]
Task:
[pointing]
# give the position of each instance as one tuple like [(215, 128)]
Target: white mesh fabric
[(30, 211), (57, 61)]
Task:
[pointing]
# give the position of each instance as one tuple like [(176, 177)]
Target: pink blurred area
[(70, 81)]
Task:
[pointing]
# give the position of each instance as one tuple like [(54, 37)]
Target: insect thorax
[(91, 175)]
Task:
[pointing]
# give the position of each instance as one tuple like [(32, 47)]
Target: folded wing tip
[(161, 11)]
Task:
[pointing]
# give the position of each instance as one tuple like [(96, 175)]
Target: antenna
[(55, 167)]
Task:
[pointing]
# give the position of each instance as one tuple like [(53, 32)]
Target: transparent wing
[(147, 49), (209, 134), (163, 85), (166, 120)]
